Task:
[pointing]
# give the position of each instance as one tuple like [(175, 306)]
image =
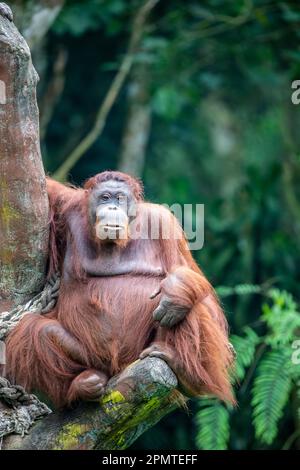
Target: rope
[(40, 304), (23, 409), (20, 409)]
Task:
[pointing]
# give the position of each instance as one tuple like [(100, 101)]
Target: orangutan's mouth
[(113, 227)]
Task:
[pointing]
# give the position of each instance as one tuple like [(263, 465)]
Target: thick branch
[(135, 400), (23, 198)]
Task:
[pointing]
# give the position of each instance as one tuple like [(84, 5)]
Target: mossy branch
[(135, 400)]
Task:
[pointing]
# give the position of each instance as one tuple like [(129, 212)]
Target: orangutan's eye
[(121, 198), (105, 197)]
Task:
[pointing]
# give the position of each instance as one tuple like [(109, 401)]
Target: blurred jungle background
[(194, 97)]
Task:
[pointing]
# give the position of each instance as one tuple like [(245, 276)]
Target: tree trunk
[(138, 124), (24, 202)]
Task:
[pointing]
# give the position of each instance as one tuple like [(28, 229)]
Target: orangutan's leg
[(87, 386)]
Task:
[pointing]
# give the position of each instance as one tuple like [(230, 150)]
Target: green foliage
[(245, 347), (241, 289), (271, 391), (267, 357), (213, 423), (167, 103), (282, 318), (78, 18)]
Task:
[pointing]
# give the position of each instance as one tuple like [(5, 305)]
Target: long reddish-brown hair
[(85, 304)]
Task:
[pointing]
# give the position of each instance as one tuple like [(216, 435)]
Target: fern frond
[(295, 362), (245, 347), (213, 425), (282, 318), (271, 391)]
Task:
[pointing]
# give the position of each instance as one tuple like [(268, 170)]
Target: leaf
[(282, 318), (240, 289), (167, 102), (271, 391), (290, 14), (213, 425), (245, 350)]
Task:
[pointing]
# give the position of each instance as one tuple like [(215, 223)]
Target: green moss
[(112, 401), (6, 255), (141, 414), (7, 212), (69, 437)]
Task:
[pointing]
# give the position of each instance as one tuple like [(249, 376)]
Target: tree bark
[(23, 197), (144, 392)]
